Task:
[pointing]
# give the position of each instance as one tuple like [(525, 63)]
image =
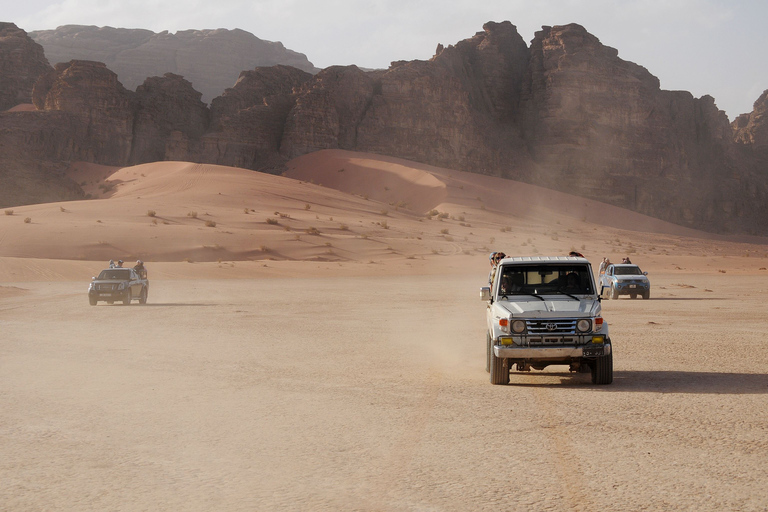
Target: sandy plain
[(315, 341)]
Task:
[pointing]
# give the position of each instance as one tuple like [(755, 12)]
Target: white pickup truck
[(545, 311)]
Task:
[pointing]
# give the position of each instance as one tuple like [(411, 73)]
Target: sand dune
[(332, 206)]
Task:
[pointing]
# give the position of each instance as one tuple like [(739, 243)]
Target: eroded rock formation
[(210, 59), (22, 61), (566, 113)]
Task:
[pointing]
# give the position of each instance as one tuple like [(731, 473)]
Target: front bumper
[(629, 288), (112, 295), (559, 352)]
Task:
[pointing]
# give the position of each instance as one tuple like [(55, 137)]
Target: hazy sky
[(713, 47)]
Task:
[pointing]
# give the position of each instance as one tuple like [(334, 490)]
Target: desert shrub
[(307, 206), (312, 231), (384, 224), (192, 214), (444, 231), (9, 212), (210, 224), (343, 227), (245, 211), (151, 213), (264, 248), (27, 220), (272, 221), (384, 212), (62, 209)]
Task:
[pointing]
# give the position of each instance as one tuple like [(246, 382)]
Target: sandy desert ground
[(315, 341)]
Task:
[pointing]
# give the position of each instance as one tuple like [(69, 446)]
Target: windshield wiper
[(505, 296)]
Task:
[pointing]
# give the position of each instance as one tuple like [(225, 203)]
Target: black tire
[(499, 374), (647, 295), (614, 293), (143, 296), (127, 299), (602, 370), (92, 301), (487, 352)]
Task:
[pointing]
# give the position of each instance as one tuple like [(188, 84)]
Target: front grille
[(545, 327), (106, 287)]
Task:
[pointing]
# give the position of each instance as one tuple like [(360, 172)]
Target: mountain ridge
[(565, 112)]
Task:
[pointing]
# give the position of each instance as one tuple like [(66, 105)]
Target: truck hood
[(552, 307)]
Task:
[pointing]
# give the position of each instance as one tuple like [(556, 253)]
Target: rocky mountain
[(564, 112), (210, 59), (21, 62)]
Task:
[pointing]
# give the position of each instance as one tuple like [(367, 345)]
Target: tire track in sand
[(406, 447), (564, 457)]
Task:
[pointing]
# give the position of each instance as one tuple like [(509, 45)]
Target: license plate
[(633, 286), (592, 351), (104, 294)]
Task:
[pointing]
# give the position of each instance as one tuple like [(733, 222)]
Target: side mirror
[(485, 293), (645, 273)]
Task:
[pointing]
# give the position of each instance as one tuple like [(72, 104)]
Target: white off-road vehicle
[(544, 311)]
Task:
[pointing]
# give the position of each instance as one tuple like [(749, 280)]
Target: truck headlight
[(584, 325), (518, 326)]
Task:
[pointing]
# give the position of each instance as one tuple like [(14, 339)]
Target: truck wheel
[(499, 374), (92, 301), (127, 299), (614, 292), (602, 370), (647, 295), (143, 296), (487, 352)]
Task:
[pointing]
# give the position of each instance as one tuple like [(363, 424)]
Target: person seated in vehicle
[(496, 257), (140, 269), (572, 284), (511, 283)]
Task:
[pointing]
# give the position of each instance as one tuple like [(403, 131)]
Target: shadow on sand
[(658, 382)]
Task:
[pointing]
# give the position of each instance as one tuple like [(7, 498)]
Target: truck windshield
[(115, 274), (544, 279), (628, 271)]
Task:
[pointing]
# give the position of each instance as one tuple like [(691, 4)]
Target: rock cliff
[(751, 130), (565, 112), (209, 59), (22, 61)]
